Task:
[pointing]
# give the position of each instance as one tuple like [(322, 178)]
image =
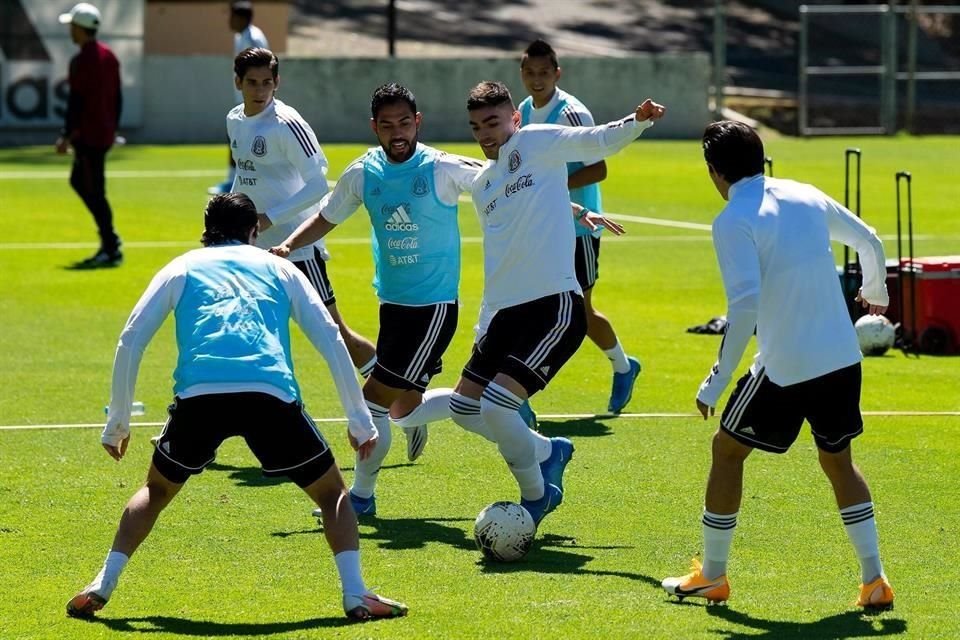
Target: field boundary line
[(548, 416)]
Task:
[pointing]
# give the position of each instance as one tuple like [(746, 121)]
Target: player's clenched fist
[(650, 110)]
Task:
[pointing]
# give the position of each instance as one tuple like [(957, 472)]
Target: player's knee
[(726, 450)]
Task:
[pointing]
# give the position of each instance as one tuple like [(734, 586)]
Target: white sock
[(367, 369), (348, 566), (542, 445), (435, 406), (106, 580), (861, 528), (717, 536), (365, 471), (618, 358), (499, 406), (466, 413)]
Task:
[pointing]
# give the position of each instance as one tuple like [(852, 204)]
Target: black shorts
[(587, 261), (767, 416), (529, 342), (316, 271), (280, 434), (411, 343)]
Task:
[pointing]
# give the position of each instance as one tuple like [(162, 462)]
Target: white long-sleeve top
[(305, 306), (773, 245), (523, 205), (281, 167)]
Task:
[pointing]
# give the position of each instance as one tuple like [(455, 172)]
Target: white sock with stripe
[(861, 526), (466, 413), (365, 471), (434, 406), (499, 409), (618, 358), (717, 537)]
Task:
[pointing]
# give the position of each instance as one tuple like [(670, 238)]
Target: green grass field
[(237, 555)]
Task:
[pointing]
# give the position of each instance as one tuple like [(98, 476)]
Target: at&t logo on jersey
[(400, 220), (259, 146)]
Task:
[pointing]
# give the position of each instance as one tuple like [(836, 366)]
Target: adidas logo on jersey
[(400, 221), (545, 370)]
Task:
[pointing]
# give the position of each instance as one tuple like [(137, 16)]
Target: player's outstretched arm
[(309, 231), (592, 220)]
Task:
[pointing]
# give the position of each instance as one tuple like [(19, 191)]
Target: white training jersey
[(523, 205), (250, 37), (773, 245), (281, 167)]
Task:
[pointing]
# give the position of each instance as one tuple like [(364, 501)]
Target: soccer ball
[(875, 334), (504, 531)]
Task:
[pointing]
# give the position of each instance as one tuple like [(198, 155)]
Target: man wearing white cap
[(90, 125)]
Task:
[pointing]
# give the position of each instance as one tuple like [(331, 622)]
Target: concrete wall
[(186, 98)]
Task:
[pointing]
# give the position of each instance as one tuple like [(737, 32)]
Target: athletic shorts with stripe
[(766, 416), (587, 261), (280, 434), (530, 342), (411, 343), (316, 271)]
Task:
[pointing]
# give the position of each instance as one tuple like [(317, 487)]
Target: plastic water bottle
[(136, 409)]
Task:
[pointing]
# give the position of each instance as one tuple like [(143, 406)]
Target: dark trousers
[(88, 181)]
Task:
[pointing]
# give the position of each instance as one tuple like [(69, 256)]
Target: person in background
[(246, 35), (90, 126)]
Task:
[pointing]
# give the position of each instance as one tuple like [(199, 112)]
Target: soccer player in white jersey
[(773, 244), (549, 104), (232, 305), (246, 35), (530, 286), (281, 167)]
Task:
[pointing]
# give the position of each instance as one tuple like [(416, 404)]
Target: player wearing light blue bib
[(232, 305), (410, 192), (548, 104)]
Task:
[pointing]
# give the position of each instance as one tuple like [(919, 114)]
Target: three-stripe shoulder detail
[(299, 131)]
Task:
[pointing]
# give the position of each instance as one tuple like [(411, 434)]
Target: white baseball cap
[(83, 15)]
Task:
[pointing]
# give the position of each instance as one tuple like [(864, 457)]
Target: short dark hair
[(228, 217), (540, 48), (489, 93), (733, 149), (253, 57), (242, 8), (391, 93)]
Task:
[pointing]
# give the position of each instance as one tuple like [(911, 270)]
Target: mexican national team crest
[(420, 187), (259, 147), (514, 162)]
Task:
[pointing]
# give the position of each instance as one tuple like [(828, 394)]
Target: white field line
[(211, 173), (553, 416), (62, 174)]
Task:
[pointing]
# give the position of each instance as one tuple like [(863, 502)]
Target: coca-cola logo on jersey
[(523, 182), (409, 242)]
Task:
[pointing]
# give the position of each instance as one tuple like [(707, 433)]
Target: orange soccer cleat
[(876, 595), (694, 585)]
